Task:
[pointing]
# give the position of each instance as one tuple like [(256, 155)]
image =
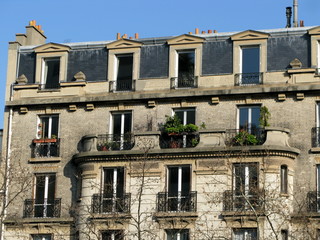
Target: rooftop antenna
[(295, 13)]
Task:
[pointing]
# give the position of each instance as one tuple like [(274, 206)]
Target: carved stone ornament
[(22, 79), (295, 63), (80, 76)]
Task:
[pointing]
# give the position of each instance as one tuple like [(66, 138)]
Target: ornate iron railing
[(315, 135), (243, 137), (179, 202), (45, 209), (102, 203), (313, 201), (122, 85), (45, 148), (186, 82), (114, 142), (181, 140), (248, 78), (243, 202)]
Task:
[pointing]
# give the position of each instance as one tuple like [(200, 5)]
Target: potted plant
[(244, 138)]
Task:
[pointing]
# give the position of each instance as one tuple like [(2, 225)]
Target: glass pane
[(108, 183), (116, 124), (243, 118), (185, 180), (173, 181), (53, 70), (120, 182), (253, 178), (55, 126), (40, 188), (127, 122), (51, 188), (180, 115), (250, 60), (191, 116), (125, 67), (255, 115), (239, 179), (45, 127)]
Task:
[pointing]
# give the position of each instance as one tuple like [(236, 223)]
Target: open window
[(45, 188), (248, 119), (186, 115), (177, 234), (50, 73), (48, 126), (112, 235), (120, 136), (245, 186), (186, 65), (124, 81), (315, 48), (245, 234)]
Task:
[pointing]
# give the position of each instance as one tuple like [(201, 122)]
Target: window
[(113, 189), (245, 186), (112, 235), (120, 128), (124, 72), (178, 234), (48, 126), (249, 118), (245, 234), (42, 237), (44, 204), (186, 116), (284, 179), (179, 185), (186, 65), (250, 65), (284, 234), (50, 73)]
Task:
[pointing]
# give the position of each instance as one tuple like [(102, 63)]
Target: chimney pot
[(215, 31), (190, 33), (301, 23), (197, 31), (118, 36), (130, 38), (203, 32), (209, 31), (136, 35), (125, 36)]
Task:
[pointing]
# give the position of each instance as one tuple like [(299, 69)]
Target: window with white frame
[(113, 189), (120, 130), (250, 65), (178, 234), (245, 234), (186, 69), (45, 186), (124, 72), (284, 179), (48, 126), (186, 115), (42, 237), (245, 186), (248, 118), (50, 73), (112, 235), (179, 185)]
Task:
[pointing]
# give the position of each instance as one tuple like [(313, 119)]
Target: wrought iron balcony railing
[(242, 79), (107, 203), (45, 148), (43, 208), (243, 202), (185, 82), (122, 85), (313, 201), (115, 142), (181, 140), (179, 202), (315, 135), (243, 137)]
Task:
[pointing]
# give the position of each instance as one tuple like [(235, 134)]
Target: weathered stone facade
[(86, 156)]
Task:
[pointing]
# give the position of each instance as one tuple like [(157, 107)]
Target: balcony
[(244, 79), (110, 204), (122, 85), (179, 202), (115, 142), (45, 148), (245, 137), (183, 140), (187, 82), (42, 209), (241, 203)]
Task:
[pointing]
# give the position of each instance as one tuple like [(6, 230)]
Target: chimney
[(203, 32), (136, 35), (190, 33), (118, 36), (209, 31), (34, 35), (215, 31), (301, 23), (288, 14), (295, 13), (196, 31)]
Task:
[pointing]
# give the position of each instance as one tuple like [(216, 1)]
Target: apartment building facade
[(100, 138)]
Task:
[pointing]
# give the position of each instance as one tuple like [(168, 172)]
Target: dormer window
[(186, 60), (250, 65), (315, 48), (124, 72), (50, 74)]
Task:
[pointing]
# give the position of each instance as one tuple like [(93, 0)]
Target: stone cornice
[(186, 153)]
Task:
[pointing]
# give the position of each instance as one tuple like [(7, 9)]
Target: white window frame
[(178, 234), (245, 232), (122, 137), (241, 62), (184, 110), (40, 128), (250, 107), (44, 68)]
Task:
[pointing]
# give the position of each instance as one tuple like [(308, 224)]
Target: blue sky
[(99, 20)]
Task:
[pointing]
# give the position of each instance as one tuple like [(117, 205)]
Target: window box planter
[(45, 140)]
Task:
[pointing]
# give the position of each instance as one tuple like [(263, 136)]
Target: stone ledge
[(44, 160), (61, 220)]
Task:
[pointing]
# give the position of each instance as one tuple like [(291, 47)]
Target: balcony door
[(245, 234), (121, 126), (178, 234), (113, 190), (45, 186), (249, 118), (250, 65), (124, 72), (179, 186), (186, 69), (245, 186)]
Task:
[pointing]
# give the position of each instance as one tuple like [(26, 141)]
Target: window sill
[(45, 160), (286, 195), (301, 70), (315, 150), (73, 84), (25, 86)]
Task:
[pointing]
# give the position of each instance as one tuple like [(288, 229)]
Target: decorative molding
[(124, 43), (185, 39), (51, 47), (314, 31), (249, 35), (22, 79)]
